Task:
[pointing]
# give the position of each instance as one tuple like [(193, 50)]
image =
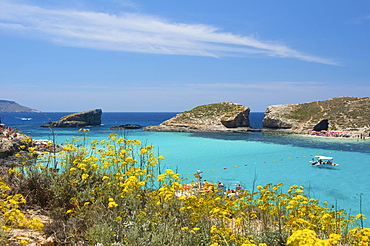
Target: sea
[(249, 159)]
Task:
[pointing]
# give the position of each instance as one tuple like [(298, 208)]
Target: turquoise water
[(262, 157), (237, 157)]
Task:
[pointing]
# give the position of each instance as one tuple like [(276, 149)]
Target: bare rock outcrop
[(275, 117), (216, 117), (86, 118)]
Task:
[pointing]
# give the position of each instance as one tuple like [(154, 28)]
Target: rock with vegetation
[(12, 142), (344, 114), (10, 146), (86, 118), (13, 107), (224, 116)]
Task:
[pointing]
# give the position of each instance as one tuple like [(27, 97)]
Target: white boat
[(323, 161), (23, 118)]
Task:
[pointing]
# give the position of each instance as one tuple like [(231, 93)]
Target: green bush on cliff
[(304, 112), (214, 110)]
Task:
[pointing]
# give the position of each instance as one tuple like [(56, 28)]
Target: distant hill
[(13, 107)]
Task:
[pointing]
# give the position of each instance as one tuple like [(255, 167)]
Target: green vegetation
[(210, 111), (74, 114), (114, 192), (304, 111), (342, 112)]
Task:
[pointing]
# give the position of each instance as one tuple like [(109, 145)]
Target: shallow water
[(239, 157)]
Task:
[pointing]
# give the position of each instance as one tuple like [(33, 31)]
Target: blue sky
[(157, 56)]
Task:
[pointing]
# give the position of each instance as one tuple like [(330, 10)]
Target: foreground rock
[(216, 117), (340, 114), (10, 146), (86, 118)]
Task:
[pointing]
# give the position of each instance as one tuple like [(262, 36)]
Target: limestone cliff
[(351, 114), (224, 116), (86, 118)]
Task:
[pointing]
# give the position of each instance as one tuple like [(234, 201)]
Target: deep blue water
[(237, 157), (30, 122)]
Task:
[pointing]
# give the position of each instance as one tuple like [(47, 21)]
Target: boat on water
[(23, 118), (323, 161)]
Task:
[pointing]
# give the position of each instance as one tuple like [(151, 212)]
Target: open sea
[(246, 158)]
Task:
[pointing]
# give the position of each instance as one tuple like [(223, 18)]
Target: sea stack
[(86, 118)]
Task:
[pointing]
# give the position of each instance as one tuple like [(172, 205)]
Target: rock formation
[(87, 118), (127, 126), (275, 117), (224, 116), (11, 142), (350, 114), (10, 146)]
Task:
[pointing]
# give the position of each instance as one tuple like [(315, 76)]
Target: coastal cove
[(236, 157)]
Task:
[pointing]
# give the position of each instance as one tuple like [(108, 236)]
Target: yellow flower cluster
[(360, 236), (11, 216), (112, 203), (307, 237)]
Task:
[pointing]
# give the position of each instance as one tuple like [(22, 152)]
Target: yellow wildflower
[(84, 176)]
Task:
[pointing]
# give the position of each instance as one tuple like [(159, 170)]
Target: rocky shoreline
[(353, 135), (341, 117)]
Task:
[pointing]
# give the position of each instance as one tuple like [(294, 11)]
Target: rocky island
[(86, 118), (340, 114), (216, 117), (127, 126)]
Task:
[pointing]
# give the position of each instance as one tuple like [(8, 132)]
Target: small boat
[(23, 118), (323, 161)]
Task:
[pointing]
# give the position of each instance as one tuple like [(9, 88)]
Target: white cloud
[(131, 32)]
